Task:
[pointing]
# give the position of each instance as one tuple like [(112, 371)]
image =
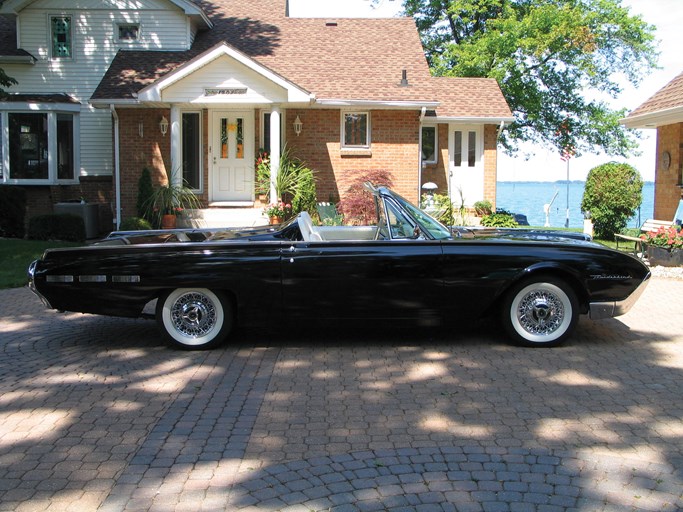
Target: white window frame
[(199, 190), (51, 110), (117, 27), (368, 130), (262, 125), (436, 143), (71, 17)]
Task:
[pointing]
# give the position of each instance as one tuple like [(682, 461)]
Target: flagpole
[(566, 222)]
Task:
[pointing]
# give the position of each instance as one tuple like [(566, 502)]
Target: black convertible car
[(406, 267)]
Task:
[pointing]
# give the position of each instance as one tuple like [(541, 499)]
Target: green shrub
[(69, 228), (135, 224), (305, 196), (12, 211), (612, 195), (499, 220)]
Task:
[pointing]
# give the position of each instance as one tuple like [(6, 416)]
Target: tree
[(612, 194), (553, 60), (5, 81)]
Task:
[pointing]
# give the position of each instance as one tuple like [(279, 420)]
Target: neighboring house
[(664, 111), (197, 88)]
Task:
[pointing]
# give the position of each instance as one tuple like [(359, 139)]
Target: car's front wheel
[(540, 311), (194, 318)]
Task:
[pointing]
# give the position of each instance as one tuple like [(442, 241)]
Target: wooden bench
[(648, 225)]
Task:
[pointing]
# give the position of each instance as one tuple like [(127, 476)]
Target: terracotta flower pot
[(276, 220), (168, 221)]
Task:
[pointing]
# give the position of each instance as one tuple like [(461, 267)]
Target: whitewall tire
[(540, 312), (194, 318)]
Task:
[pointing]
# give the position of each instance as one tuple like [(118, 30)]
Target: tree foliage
[(5, 81), (612, 194), (552, 59)]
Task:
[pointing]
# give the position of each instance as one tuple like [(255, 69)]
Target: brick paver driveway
[(97, 414)]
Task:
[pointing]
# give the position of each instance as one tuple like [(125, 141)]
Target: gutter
[(117, 166)]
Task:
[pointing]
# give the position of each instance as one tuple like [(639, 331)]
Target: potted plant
[(168, 201), (278, 212), (665, 246), (483, 208)]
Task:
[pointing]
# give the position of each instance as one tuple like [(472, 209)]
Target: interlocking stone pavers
[(96, 414)]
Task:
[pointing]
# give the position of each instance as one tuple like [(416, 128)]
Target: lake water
[(528, 198)]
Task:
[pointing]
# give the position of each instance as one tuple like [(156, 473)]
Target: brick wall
[(151, 150), (667, 181), (394, 148)]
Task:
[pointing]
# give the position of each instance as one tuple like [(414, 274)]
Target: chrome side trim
[(600, 310)]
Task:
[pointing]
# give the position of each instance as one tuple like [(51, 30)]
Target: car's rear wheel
[(541, 311), (194, 318)]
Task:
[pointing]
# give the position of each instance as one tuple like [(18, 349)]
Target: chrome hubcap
[(193, 315), (540, 312)]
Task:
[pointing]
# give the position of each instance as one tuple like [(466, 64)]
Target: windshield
[(428, 224)]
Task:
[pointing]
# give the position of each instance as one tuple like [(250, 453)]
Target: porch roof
[(664, 107)]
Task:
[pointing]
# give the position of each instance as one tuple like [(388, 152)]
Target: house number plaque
[(225, 91)]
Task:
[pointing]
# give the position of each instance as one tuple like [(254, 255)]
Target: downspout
[(500, 129), (117, 167), (423, 113)]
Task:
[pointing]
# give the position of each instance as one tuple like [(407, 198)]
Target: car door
[(394, 279)]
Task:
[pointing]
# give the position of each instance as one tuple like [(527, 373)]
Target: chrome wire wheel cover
[(193, 315), (540, 312)]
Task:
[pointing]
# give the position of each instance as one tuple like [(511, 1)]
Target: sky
[(545, 165)]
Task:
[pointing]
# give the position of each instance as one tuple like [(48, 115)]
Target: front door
[(466, 166), (232, 156)]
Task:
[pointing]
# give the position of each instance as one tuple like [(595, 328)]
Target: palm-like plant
[(170, 199)]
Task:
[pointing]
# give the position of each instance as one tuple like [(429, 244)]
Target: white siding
[(95, 43), (225, 72)]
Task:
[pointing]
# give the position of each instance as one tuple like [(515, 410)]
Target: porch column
[(275, 137), (176, 173)]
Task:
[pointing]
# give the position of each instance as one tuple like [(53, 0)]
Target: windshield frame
[(429, 226)]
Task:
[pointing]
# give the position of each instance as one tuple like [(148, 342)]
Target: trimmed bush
[(69, 228), (145, 193), (499, 220), (612, 195), (12, 211), (135, 224)]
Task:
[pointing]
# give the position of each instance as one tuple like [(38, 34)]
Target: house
[(196, 88), (664, 111)]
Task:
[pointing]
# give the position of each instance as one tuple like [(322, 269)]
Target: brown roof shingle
[(669, 96)]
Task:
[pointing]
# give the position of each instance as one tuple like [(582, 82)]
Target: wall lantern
[(298, 126), (163, 125), (141, 129)]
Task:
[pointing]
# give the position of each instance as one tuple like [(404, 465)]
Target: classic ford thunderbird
[(406, 267)]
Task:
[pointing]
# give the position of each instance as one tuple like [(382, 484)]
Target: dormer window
[(128, 32), (61, 37)]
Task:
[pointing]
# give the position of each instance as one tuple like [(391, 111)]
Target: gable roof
[(664, 107)]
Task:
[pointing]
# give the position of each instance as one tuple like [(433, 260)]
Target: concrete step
[(223, 218)]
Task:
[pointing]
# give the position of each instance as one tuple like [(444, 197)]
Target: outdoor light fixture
[(430, 187), (163, 125), (298, 126), (141, 129)]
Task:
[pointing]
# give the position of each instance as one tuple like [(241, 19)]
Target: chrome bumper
[(600, 310), (32, 286)]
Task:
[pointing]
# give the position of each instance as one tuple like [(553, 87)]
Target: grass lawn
[(16, 255)]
